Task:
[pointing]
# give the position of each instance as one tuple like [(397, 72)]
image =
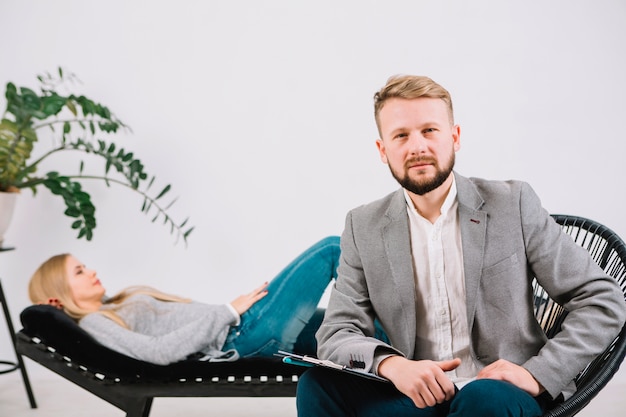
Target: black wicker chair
[(609, 251), (52, 339)]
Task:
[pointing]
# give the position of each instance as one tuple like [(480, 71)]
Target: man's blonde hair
[(410, 87)]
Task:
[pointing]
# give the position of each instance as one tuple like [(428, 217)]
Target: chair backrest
[(604, 246), (609, 252)]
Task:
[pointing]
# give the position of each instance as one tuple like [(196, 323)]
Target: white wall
[(259, 113)]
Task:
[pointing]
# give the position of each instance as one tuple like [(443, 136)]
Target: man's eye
[(401, 136), (429, 130)]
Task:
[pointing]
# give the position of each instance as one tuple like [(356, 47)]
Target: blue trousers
[(324, 392), (289, 313)]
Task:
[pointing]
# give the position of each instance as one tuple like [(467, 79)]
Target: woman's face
[(87, 291)]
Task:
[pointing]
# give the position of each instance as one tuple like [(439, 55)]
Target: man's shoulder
[(378, 206), (378, 213), (489, 186), (495, 195)]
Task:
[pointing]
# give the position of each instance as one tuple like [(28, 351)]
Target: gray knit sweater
[(163, 332)]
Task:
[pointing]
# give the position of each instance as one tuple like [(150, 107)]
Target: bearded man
[(445, 265)]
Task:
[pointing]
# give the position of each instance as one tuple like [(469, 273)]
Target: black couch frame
[(254, 377)]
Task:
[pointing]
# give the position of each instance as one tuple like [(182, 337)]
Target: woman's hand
[(242, 303)]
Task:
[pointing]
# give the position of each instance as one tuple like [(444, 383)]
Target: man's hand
[(424, 382), (504, 370)]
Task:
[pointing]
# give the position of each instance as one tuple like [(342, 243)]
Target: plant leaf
[(163, 192)]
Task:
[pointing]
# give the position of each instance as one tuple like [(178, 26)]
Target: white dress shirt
[(442, 328)]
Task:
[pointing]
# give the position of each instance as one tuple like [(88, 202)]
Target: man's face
[(418, 142)]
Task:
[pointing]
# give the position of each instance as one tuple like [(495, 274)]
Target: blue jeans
[(324, 392), (277, 320)]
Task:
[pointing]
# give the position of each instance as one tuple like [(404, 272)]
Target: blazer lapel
[(397, 241), (473, 224)]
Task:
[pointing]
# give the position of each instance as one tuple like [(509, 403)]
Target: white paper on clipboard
[(305, 360)]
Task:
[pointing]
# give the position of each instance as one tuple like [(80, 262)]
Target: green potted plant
[(77, 124)]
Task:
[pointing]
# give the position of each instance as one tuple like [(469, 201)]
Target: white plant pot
[(7, 204)]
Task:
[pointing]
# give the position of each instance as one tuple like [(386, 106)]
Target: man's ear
[(456, 136), (381, 150)]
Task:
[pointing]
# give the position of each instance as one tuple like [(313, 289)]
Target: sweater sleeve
[(204, 328)]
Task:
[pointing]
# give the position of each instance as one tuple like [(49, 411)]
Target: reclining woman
[(160, 328)]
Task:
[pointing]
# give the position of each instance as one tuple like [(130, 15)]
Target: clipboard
[(310, 361)]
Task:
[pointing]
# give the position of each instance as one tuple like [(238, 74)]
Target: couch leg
[(139, 407)]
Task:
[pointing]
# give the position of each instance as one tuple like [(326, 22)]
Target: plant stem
[(47, 154), (87, 120), (153, 201)]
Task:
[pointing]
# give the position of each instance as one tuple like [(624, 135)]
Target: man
[(445, 264)]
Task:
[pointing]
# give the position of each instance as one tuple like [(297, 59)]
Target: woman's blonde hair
[(50, 281)]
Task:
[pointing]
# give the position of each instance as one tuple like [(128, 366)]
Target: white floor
[(56, 397)]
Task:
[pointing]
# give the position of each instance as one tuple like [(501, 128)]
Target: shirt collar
[(447, 203)]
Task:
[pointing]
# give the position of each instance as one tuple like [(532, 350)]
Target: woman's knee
[(329, 241), (329, 246), (327, 251)]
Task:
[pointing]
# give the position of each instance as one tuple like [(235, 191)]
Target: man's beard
[(428, 184)]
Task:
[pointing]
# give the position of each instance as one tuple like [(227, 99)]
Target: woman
[(160, 328)]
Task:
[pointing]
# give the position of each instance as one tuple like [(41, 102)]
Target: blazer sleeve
[(595, 303), (348, 327)]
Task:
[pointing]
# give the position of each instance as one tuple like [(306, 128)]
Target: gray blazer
[(507, 239)]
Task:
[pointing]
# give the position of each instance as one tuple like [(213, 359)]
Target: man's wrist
[(388, 364)]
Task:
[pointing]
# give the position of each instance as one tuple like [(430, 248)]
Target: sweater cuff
[(235, 314)]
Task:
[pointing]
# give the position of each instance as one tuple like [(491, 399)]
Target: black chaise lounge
[(52, 339)]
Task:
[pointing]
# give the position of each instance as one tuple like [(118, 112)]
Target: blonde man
[(445, 264)]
